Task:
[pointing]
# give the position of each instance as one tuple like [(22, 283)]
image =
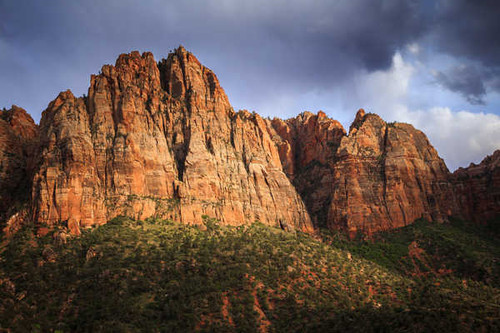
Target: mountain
[(150, 205), (160, 139)]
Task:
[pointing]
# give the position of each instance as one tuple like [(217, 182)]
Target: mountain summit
[(160, 139)]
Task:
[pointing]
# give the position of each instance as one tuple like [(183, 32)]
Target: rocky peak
[(159, 140), (360, 116), (378, 177), (20, 122), (489, 163), (308, 146), (184, 77)]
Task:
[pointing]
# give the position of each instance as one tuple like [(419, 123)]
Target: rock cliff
[(380, 176), (160, 139), (18, 134), (478, 189)]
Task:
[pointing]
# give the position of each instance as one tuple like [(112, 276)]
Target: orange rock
[(159, 140), (162, 140), (478, 189), (380, 176)]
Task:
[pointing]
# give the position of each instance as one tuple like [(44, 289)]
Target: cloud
[(277, 57), (464, 79), (258, 48), (460, 137), (469, 29)]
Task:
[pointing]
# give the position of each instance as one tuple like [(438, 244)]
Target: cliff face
[(308, 147), (18, 134), (478, 189), (162, 140), (159, 140), (387, 176), (380, 176)]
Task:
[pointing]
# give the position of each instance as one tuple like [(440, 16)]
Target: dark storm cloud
[(289, 45), (259, 49), (466, 80), (470, 28)]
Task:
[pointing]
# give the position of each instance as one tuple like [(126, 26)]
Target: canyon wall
[(160, 139), (477, 189), (18, 141)]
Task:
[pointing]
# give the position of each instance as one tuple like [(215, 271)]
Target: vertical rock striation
[(162, 140), (18, 134), (159, 140), (478, 189)]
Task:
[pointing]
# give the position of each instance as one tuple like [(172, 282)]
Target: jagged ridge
[(161, 139)]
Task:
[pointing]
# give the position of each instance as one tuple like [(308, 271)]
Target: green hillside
[(159, 276)]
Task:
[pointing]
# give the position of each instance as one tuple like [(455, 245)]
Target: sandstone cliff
[(478, 189), (159, 140), (162, 140), (380, 176), (18, 133)]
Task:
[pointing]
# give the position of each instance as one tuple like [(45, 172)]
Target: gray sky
[(435, 64)]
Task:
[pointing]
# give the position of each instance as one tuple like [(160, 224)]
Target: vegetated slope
[(159, 276)]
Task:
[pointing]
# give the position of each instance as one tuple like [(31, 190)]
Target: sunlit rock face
[(380, 176), (160, 139)]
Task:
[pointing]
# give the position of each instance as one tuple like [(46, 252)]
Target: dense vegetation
[(159, 276)]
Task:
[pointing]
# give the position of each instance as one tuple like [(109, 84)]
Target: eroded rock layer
[(380, 176), (478, 189), (159, 140), (18, 134), (162, 140)]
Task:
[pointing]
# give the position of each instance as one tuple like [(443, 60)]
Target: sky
[(434, 64)]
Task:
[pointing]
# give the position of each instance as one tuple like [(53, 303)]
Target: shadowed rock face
[(308, 147), (18, 133), (159, 140), (162, 140), (478, 189)]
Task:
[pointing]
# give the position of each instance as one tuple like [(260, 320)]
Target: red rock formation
[(380, 176), (159, 140), (17, 134), (308, 146), (162, 140), (388, 175), (478, 189)]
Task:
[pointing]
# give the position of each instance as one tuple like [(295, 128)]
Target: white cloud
[(460, 137), (384, 92), (414, 48)]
